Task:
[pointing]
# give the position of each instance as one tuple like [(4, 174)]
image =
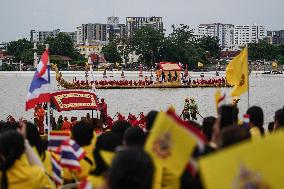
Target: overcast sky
[(18, 17)]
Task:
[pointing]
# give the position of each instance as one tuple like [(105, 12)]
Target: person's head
[(105, 142), (131, 169), (150, 119), (119, 127), (134, 137), (233, 134), (207, 127), (34, 139), (5, 126), (279, 119), (82, 133), (102, 100), (88, 115), (186, 99), (228, 115), (256, 117), (65, 119), (11, 149), (270, 127)]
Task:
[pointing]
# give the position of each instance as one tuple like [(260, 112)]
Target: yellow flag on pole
[(237, 73), (252, 164), (219, 99)]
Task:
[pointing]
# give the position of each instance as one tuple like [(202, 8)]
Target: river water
[(266, 91)]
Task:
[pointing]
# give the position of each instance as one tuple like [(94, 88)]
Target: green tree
[(181, 46), (111, 53), (63, 45), (147, 43), (21, 50), (263, 51), (211, 48)]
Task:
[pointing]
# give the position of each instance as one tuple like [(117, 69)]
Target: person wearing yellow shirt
[(131, 168), (36, 142), (103, 154), (256, 122), (16, 172), (279, 119), (82, 133)]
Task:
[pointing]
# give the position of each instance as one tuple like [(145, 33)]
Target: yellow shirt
[(96, 181), (85, 166), (24, 176), (46, 162), (255, 133)]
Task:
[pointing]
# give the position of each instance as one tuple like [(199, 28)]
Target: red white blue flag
[(71, 154), (56, 138), (39, 88), (57, 169)]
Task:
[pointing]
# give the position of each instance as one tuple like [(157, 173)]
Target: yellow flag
[(170, 143), (257, 163), (199, 64), (237, 73)]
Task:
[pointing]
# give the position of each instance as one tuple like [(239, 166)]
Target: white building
[(224, 32), (244, 34), (41, 36)]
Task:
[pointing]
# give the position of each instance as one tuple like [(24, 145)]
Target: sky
[(18, 17)]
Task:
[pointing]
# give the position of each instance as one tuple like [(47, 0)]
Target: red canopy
[(74, 100)]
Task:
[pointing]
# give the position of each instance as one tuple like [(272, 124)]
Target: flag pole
[(48, 109), (48, 120), (248, 74)]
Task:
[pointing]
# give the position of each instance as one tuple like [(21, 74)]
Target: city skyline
[(43, 15)]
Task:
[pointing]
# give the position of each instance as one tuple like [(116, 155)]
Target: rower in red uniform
[(120, 117), (66, 125), (39, 117), (103, 110), (109, 122), (142, 120)]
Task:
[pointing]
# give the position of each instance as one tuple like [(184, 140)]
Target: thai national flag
[(71, 154), (39, 89), (85, 185), (57, 169), (56, 138)]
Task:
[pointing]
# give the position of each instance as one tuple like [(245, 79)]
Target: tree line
[(154, 46), (23, 50)]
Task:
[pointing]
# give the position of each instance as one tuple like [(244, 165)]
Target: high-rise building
[(244, 34), (224, 32), (91, 32), (277, 37), (135, 23), (41, 36), (114, 28)]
